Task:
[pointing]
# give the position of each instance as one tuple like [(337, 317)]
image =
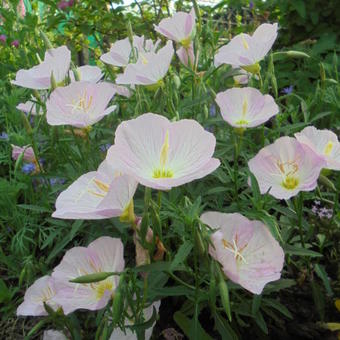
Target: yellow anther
[(244, 42), (165, 150), (233, 248), (328, 148), (101, 185)]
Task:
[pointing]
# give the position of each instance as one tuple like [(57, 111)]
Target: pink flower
[(150, 68), (30, 107), (56, 62), (120, 52), (118, 334), (248, 253), (100, 194), (186, 54), (65, 4), (286, 167), (179, 28), (26, 150), (42, 291), (80, 104), (21, 8), (245, 50), (15, 43), (3, 38), (105, 254), (161, 154), (122, 91), (324, 143), (246, 107), (88, 73)]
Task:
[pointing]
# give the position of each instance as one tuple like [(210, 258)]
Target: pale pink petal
[(246, 50), (246, 107), (248, 253), (42, 290), (29, 107), (88, 73), (80, 104), (102, 255), (286, 159), (26, 150), (178, 27), (150, 67), (119, 53), (188, 155), (118, 334), (57, 61), (323, 142), (52, 334), (186, 54)]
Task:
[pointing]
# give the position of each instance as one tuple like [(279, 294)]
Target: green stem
[(299, 210)]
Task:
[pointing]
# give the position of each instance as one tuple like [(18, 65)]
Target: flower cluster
[(159, 153)]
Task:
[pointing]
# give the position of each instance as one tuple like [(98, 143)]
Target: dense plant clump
[(175, 179)]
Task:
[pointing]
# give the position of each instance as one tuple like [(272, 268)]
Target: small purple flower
[(105, 147), (325, 210), (251, 5), (314, 209), (317, 202), (321, 214), (288, 90), (28, 168), (56, 181), (3, 38), (4, 136), (212, 111), (329, 215), (65, 4), (15, 43)]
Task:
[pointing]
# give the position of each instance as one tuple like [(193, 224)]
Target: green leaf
[(183, 252), (300, 7), (224, 328), (35, 208), (96, 277), (255, 307), (294, 250), (321, 272), (261, 322), (278, 306), (185, 324)]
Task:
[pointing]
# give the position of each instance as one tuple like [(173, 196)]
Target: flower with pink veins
[(42, 291), (105, 254), (100, 194), (26, 150), (286, 167), (247, 251), (161, 154), (87, 73), (246, 107), (57, 63), (181, 28), (247, 51), (149, 69), (121, 52), (80, 104), (325, 143)]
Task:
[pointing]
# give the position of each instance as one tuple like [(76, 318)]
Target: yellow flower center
[(143, 59), (83, 104), (102, 287), (162, 171), (289, 171), (47, 294), (328, 148), (244, 42), (185, 42), (243, 121), (233, 248)]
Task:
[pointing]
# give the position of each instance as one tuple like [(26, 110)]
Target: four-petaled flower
[(286, 167), (248, 253)]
